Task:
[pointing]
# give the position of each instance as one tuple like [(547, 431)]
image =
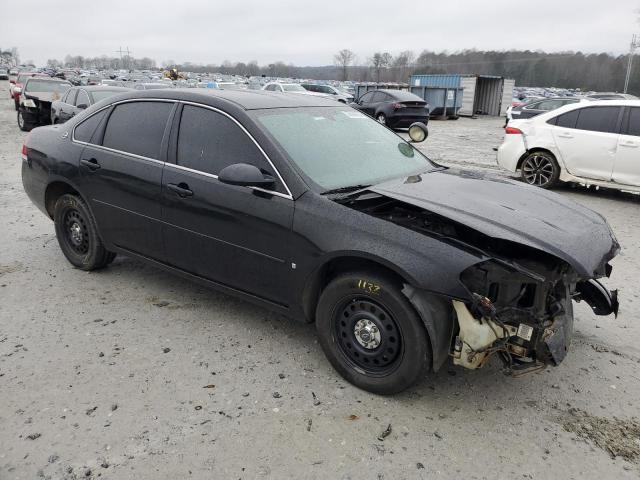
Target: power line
[(635, 43)]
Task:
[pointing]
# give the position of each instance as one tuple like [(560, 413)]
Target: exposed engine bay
[(519, 305)]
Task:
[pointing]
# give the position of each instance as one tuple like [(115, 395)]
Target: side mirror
[(245, 175), (82, 106), (418, 132)]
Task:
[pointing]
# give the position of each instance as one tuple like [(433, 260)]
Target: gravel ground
[(133, 373)]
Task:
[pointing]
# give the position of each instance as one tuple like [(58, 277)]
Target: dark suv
[(394, 108)]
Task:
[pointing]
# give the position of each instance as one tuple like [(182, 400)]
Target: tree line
[(588, 71)]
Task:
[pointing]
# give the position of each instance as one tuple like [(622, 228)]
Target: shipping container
[(481, 94)]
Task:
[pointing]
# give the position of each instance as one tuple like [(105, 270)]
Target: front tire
[(77, 234), (22, 123), (540, 169), (371, 333)]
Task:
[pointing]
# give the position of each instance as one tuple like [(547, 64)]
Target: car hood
[(512, 211), (43, 96)]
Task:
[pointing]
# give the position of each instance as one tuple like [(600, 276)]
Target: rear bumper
[(510, 152), (405, 121)]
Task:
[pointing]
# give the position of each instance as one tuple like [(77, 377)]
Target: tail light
[(25, 149), (512, 131), (397, 106)]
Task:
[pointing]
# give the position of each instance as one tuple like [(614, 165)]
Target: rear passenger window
[(599, 119), (209, 141), (138, 128), (85, 131), (633, 125), (71, 96)]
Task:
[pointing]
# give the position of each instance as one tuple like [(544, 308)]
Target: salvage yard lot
[(130, 372)]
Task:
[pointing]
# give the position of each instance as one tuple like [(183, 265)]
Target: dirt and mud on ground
[(133, 373)]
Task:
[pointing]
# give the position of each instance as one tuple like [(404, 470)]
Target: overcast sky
[(309, 33)]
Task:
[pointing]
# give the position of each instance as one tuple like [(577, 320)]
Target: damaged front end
[(518, 305), (522, 312)]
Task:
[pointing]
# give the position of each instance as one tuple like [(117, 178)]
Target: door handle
[(629, 144), (565, 135), (91, 163), (181, 189)]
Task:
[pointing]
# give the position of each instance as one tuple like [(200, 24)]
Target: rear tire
[(77, 234), (381, 118), (371, 333), (540, 169)]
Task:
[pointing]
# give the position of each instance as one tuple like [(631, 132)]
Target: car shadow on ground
[(466, 388)]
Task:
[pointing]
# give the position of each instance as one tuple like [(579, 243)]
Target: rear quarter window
[(85, 131)]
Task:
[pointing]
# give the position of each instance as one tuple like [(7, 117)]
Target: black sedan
[(394, 108), (308, 207), (79, 98)]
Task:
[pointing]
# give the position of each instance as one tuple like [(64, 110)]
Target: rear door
[(235, 236), (68, 105), (587, 140), (121, 170), (627, 165)]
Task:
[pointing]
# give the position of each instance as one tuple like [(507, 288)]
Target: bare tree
[(402, 64), (343, 59), (379, 62)]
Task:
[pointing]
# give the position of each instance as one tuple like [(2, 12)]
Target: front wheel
[(371, 333), (540, 169), (77, 234), (22, 123)]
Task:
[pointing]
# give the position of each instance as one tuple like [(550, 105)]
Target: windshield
[(102, 94), (46, 86), (293, 88), (339, 147)]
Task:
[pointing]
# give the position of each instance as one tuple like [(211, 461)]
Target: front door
[(235, 236), (588, 140), (122, 172), (627, 167)]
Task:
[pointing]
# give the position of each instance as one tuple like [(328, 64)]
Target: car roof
[(107, 88), (245, 99), (49, 79), (400, 94), (579, 105)]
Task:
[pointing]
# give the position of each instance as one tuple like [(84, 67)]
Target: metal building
[(481, 94)]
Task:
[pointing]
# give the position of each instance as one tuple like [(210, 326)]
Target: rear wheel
[(382, 118), (22, 123), (77, 234), (540, 169), (371, 333)]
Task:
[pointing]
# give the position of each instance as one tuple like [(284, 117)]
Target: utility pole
[(127, 56), (635, 43)]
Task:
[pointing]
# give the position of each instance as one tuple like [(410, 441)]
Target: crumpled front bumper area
[(523, 314)]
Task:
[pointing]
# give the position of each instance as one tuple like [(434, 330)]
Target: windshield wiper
[(349, 189)]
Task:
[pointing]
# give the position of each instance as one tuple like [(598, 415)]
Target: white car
[(292, 88), (591, 143)]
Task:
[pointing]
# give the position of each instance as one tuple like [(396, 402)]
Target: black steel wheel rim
[(76, 233), (537, 170), (367, 335)]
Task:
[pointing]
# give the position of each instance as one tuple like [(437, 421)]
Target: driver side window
[(209, 141)]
